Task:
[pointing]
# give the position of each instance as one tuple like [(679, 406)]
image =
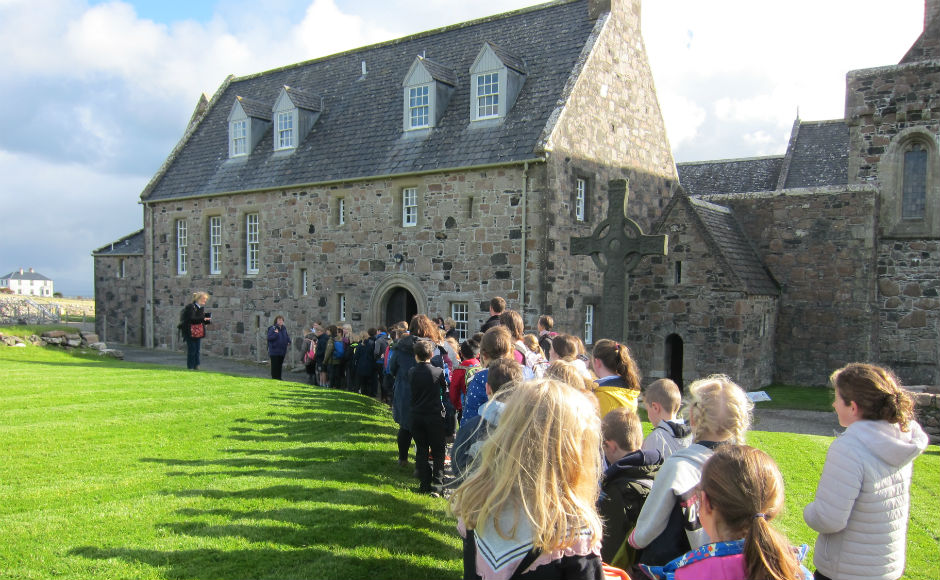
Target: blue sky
[(96, 94)]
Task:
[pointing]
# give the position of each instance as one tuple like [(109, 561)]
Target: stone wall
[(928, 414), (723, 330), (909, 306), (119, 301), (465, 248), (819, 245)]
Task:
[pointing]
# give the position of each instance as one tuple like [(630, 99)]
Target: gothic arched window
[(914, 189)]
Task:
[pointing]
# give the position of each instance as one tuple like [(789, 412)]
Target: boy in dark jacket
[(626, 482), (428, 389)]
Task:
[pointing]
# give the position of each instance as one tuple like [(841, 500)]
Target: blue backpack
[(339, 349)]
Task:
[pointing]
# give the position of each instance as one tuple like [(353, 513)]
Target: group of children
[(549, 487), (554, 478)]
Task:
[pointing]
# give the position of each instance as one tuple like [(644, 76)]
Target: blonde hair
[(542, 463), (569, 374), (719, 407), (200, 294), (532, 343), (745, 488)]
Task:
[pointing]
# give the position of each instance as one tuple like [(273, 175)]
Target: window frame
[(215, 245), (425, 104), (580, 199), (588, 324), (304, 288), (252, 243), (341, 211), (907, 194), (182, 245), (341, 307), (409, 211), (460, 312), (285, 132), (238, 130), (492, 80)]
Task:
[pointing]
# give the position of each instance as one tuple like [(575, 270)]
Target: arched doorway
[(401, 305), (674, 359)]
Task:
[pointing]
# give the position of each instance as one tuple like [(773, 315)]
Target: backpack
[(339, 350), (532, 360), (311, 353)]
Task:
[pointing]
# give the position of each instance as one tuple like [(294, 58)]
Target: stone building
[(492, 157)]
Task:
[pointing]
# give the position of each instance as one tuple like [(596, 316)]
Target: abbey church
[(524, 155)]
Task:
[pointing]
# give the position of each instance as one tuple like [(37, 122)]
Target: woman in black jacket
[(193, 321)]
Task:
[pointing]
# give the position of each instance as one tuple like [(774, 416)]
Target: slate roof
[(731, 244), (439, 72), (359, 131), (303, 100), (817, 155), (255, 109), (129, 245), (730, 176), (25, 275), (820, 155)]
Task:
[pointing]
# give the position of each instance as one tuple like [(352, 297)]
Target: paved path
[(785, 420)]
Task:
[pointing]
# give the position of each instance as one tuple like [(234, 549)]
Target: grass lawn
[(122, 470)]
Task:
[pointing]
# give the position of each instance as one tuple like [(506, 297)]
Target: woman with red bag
[(193, 321)]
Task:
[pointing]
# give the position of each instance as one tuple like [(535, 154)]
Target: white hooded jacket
[(863, 500)]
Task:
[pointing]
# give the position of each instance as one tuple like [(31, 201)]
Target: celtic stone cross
[(616, 247)]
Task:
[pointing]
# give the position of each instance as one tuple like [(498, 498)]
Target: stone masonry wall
[(119, 302), (909, 306), (465, 248), (723, 329), (819, 245)]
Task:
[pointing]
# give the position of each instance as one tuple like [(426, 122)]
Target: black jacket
[(626, 485)]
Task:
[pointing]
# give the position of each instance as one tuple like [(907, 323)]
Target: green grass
[(122, 470), (25, 330), (797, 398)]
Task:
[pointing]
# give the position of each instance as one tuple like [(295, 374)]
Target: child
[(627, 480), (428, 387), (618, 383), (501, 373), (529, 503), (863, 497), (740, 492), (668, 526), (469, 365), (496, 344), (662, 399)]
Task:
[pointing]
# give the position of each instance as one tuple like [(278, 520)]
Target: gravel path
[(780, 420)]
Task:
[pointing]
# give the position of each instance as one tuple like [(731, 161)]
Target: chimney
[(597, 8), (927, 46), (21, 271), (30, 270)]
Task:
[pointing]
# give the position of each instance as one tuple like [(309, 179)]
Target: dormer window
[(248, 121), (488, 95), (295, 112), (496, 78), (427, 89), (285, 130), (419, 107)]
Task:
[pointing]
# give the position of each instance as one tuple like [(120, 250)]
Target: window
[(341, 302), (239, 132), (215, 244), (409, 207), (460, 312), (488, 95), (678, 273), (341, 211), (122, 272), (285, 130), (181, 243), (252, 243), (580, 195), (419, 107), (589, 324), (914, 193), (303, 282)]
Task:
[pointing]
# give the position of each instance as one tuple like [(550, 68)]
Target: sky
[(95, 94)]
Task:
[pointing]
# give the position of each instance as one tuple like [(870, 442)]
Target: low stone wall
[(928, 414), (63, 339)]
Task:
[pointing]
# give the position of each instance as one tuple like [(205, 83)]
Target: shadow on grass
[(348, 514)]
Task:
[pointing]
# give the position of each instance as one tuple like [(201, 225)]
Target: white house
[(27, 282)]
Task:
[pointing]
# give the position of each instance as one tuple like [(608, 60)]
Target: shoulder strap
[(530, 557)]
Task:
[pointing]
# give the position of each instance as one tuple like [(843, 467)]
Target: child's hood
[(888, 443)]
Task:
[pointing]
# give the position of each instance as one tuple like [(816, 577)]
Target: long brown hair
[(423, 327), (744, 486), (512, 321), (876, 391), (617, 357)]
